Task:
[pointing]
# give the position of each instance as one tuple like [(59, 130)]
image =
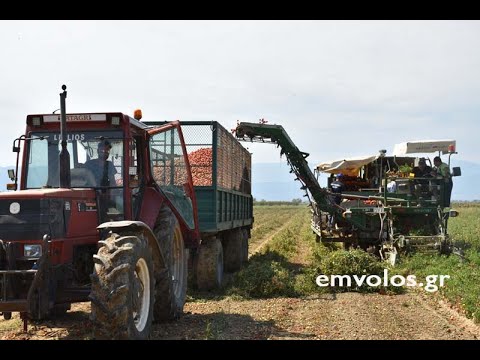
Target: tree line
[(264, 202)]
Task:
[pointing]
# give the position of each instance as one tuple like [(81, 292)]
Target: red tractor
[(114, 195)]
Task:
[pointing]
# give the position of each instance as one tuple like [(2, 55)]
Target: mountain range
[(274, 182)]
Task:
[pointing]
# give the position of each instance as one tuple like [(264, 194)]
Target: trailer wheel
[(7, 315), (209, 265), (244, 246), (122, 288), (233, 250), (59, 310), (171, 283)]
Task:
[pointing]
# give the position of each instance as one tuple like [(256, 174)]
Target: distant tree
[(296, 201)]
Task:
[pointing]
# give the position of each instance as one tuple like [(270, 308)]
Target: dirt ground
[(413, 315)]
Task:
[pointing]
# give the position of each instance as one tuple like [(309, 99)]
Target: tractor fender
[(125, 226)]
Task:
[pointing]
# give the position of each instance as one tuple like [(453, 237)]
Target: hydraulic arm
[(276, 134)]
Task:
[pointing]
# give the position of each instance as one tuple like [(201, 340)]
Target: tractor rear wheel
[(171, 282), (122, 292)]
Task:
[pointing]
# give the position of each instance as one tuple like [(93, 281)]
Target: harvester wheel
[(209, 265), (171, 283), (233, 250), (445, 247), (122, 292)]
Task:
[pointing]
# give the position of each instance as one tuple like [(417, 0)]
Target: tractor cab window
[(134, 173), (96, 161), (170, 172)]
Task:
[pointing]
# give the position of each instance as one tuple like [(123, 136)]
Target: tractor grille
[(34, 219)]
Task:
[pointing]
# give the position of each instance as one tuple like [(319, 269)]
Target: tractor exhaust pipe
[(64, 155)]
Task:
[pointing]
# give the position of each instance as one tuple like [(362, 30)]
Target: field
[(275, 295), (292, 260), (463, 289)]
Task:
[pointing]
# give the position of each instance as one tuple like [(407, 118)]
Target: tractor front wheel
[(123, 284)]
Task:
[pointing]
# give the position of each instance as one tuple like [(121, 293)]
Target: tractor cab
[(96, 145)]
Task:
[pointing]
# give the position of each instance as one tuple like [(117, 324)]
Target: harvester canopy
[(424, 146), (349, 166)]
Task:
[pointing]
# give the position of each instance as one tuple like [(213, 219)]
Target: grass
[(215, 327), (270, 218), (463, 287), (466, 227), (11, 325), (275, 272), (271, 272)]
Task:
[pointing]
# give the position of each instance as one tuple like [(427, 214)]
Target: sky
[(339, 88)]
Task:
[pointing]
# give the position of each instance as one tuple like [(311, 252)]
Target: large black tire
[(59, 310), (446, 247), (209, 265), (122, 292), (233, 250), (171, 283), (7, 315), (244, 246)]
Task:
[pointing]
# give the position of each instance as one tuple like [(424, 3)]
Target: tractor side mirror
[(11, 174), (456, 171)]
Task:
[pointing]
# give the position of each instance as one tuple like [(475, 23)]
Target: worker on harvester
[(337, 187)]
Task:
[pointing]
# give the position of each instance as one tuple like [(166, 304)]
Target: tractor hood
[(57, 193), (27, 215)]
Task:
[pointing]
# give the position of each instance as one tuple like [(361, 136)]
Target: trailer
[(221, 174)]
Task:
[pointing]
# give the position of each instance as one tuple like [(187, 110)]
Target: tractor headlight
[(32, 251)]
